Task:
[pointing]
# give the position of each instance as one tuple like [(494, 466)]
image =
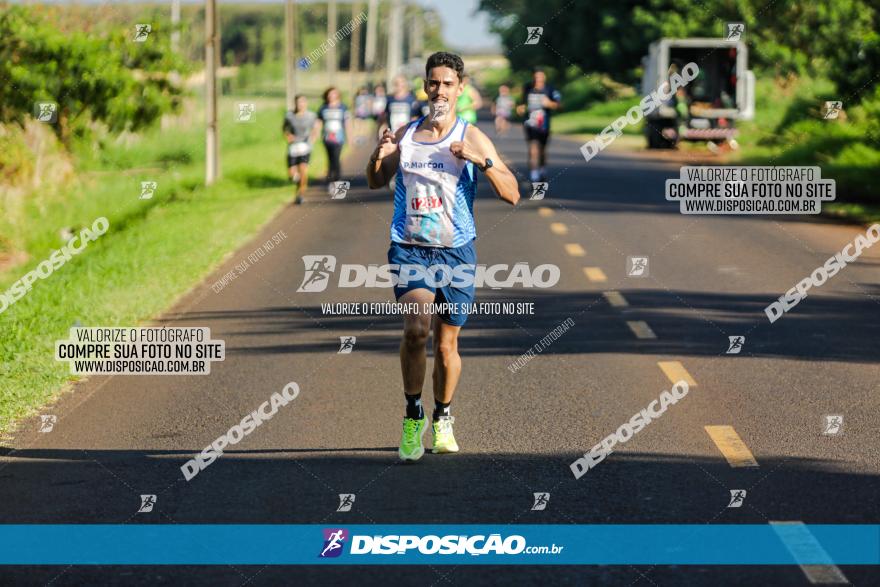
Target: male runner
[(401, 107), (541, 99), (435, 159)]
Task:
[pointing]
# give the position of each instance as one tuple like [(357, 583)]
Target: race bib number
[(536, 110), (298, 149), (399, 115), (423, 199)]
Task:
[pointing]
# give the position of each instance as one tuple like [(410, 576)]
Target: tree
[(107, 78)]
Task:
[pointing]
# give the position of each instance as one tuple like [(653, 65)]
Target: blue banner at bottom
[(778, 543)]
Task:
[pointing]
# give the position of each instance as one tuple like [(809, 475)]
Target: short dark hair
[(444, 59)]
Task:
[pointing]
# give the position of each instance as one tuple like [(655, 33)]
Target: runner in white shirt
[(435, 159)]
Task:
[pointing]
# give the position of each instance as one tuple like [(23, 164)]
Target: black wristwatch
[(489, 163)]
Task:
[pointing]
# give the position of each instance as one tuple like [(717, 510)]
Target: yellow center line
[(801, 543), (595, 274), (675, 371), (615, 298), (545, 211), (731, 446), (641, 329), (575, 250), (559, 228)]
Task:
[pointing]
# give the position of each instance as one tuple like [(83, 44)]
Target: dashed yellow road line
[(804, 546), (545, 211), (675, 371), (595, 274), (731, 446), (575, 250), (641, 329), (559, 228), (615, 298)]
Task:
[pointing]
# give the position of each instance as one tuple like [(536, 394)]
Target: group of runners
[(432, 152), (373, 111)]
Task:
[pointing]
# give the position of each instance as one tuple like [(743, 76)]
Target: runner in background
[(335, 126), (377, 106), (300, 129), (502, 110), (469, 101), (401, 107), (541, 100), (422, 104), (362, 114)]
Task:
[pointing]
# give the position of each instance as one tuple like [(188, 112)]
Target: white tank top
[(434, 194)]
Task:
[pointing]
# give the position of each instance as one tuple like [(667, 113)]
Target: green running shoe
[(444, 441), (411, 447)]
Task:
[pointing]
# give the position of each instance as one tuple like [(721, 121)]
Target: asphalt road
[(709, 278)]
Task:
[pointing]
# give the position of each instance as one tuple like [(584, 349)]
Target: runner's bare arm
[(477, 148), (385, 159)]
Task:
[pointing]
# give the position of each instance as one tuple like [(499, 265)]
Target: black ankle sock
[(414, 406), (440, 409)]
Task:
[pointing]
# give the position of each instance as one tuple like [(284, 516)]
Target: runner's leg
[(303, 177), (447, 362), (416, 327)]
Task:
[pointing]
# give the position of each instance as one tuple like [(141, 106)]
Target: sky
[(462, 29)]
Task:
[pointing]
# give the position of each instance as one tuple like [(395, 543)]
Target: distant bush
[(92, 77)]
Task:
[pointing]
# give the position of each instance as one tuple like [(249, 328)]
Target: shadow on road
[(686, 323)]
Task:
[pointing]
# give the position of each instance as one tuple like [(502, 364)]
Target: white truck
[(708, 107)]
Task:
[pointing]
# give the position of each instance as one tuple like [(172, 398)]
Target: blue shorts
[(400, 254)]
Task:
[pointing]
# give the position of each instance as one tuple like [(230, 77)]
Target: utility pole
[(212, 50), (416, 45), (355, 53), (395, 42), (289, 51), (175, 25), (370, 49), (332, 59)]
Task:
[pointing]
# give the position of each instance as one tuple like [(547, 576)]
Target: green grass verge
[(595, 118), (154, 251)]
